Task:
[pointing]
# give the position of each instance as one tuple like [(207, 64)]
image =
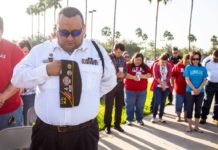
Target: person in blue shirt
[(195, 76)]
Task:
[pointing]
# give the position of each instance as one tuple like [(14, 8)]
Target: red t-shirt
[(133, 85), (179, 82), (10, 55)]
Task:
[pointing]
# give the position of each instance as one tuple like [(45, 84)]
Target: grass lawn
[(100, 116)]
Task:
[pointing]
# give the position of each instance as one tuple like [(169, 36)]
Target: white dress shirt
[(31, 72)]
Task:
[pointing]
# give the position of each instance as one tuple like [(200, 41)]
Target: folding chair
[(15, 138), (31, 116)]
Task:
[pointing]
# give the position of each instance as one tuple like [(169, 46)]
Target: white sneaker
[(162, 121), (153, 120), (129, 123)]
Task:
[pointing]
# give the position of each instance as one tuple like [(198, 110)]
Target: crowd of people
[(31, 78)]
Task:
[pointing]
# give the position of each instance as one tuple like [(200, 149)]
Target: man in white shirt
[(60, 128), (211, 87)]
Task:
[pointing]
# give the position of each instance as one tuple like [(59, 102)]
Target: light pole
[(92, 11)]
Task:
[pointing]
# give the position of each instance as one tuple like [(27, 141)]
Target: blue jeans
[(16, 118), (28, 101), (135, 101), (180, 101), (152, 103), (159, 100)]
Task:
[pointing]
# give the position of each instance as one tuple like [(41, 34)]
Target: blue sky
[(173, 17)]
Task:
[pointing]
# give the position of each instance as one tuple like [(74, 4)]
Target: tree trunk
[(114, 26), (54, 15), (155, 38), (32, 27), (44, 24), (38, 25), (190, 23)]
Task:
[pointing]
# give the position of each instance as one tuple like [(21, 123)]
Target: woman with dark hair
[(161, 86), (135, 86), (27, 94), (179, 84), (195, 76), (25, 46), (126, 56)]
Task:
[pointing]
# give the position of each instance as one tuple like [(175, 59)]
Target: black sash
[(70, 84)]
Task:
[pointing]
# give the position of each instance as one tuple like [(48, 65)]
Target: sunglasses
[(73, 33), (195, 59)]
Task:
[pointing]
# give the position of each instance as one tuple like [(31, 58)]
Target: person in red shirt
[(161, 86), (179, 84), (10, 101), (135, 86), (152, 66)]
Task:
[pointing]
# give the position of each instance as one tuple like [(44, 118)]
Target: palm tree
[(114, 25), (106, 31), (43, 5), (157, 11), (138, 32), (117, 35), (30, 11), (191, 38), (56, 4), (144, 37), (168, 36), (151, 45), (214, 42), (190, 23), (37, 11)]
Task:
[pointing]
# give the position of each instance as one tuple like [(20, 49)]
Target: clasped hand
[(2, 100), (120, 74), (53, 68)]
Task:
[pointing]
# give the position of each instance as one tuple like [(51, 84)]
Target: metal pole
[(86, 3), (114, 23), (92, 11)]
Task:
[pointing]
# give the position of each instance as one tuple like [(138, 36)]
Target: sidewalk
[(170, 136)]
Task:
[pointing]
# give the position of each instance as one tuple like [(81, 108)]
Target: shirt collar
[(56, 46)]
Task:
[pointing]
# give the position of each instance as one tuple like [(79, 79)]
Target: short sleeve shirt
[(196, 75)]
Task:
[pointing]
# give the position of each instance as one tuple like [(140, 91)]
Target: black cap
[(175, 49)]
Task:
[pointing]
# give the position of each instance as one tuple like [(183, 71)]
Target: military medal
[(70, 84)]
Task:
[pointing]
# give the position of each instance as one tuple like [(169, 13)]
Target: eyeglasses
[(73, 33), (195, 59)]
